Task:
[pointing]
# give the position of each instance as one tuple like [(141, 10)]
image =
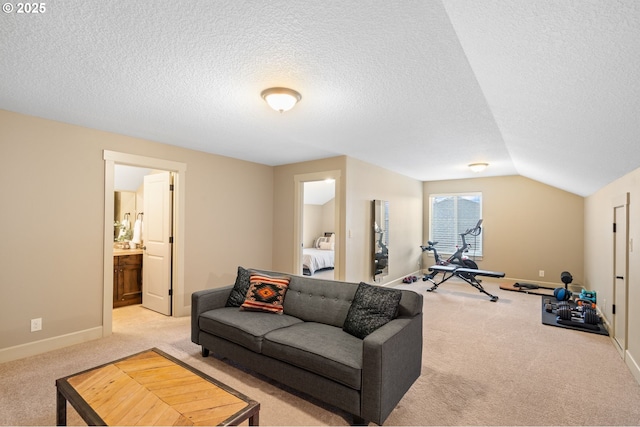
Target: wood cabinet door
[(128, 286)]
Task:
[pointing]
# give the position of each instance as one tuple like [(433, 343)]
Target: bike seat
[(432, 243)]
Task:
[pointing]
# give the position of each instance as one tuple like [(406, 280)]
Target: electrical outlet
[(36, 324), (541, 273)]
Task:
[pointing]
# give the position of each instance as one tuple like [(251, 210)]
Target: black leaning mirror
[(380, 239)]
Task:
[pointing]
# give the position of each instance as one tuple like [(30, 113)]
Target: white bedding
[(317, 259)]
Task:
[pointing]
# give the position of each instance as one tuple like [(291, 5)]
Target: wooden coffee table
[(151, 388)]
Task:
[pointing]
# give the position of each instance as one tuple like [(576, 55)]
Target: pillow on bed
[(319, 241), (327, 246), (266, 293)]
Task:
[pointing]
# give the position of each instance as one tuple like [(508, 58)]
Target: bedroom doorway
[(318, 229), (317, 237)]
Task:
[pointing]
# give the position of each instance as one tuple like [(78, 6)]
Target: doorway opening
[(318, 229), (142, 238), (317, 234), (173, 256)]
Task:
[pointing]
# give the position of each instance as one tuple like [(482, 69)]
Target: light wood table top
[(152, 388)]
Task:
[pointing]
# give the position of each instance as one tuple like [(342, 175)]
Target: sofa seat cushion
[(323, 349), (246, 328)]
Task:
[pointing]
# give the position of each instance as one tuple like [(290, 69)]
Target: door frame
[(621, 201), (179, 169), (299, 180)]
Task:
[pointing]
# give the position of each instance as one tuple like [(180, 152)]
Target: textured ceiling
[(547, 89)]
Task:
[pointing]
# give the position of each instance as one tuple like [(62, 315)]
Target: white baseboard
[(624, 354), (632, 365), (49, 344), (398, 281)]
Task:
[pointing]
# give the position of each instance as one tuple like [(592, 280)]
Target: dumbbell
[(564, 311), (548, 307), (562, 294), (586, 303), (590, 316)]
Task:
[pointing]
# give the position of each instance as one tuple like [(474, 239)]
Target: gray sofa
[(307, 349)]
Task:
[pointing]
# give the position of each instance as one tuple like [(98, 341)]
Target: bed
[(320, 257)]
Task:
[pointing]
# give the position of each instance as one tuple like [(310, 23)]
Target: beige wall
[(312, 227), (365, 183), (318, 219), (528, 226), (328, 218), (360, 183), (599, 257), (52, 176), (284, 208)]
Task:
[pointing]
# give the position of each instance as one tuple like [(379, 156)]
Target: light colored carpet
[(484, 363)]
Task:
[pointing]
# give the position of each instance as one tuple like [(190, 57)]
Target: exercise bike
[(459, 265), (459, 257)]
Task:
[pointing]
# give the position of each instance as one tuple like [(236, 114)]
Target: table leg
[(61, 409), (255, 419)]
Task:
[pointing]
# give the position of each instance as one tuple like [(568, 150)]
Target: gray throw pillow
[(372, 307), (240, 288)]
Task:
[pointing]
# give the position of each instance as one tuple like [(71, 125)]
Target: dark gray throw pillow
[(240, 288), (372, 307)]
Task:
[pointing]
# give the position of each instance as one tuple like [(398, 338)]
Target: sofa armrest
[(392, 362), (206, 300)]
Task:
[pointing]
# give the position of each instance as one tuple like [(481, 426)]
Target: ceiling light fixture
[(280, 98), (478, 167)]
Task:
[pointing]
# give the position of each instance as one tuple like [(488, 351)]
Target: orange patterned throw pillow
[(266, 293)]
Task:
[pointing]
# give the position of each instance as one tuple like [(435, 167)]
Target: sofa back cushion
[(410, 304), (328, 301), (372, 307), (317, 300)]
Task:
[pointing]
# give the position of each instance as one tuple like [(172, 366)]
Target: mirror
[(124, 208), (380, 239)]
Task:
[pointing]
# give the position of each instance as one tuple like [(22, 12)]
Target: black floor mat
[(551, 319)]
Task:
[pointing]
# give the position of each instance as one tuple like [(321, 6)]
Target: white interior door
[(620, 278), (156, 235)]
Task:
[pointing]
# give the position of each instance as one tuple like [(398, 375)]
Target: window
[(452, 214)]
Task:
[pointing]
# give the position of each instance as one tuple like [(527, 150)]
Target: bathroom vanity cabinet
[(127, 280)]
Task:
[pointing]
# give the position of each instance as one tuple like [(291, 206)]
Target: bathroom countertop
[(120, 252)]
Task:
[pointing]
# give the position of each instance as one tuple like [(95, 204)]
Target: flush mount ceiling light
[(478, 167), (280, 98)]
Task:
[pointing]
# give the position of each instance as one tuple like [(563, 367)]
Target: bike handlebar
[(475, 231)]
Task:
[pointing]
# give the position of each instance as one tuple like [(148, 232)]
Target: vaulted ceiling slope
[(547, 89)]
